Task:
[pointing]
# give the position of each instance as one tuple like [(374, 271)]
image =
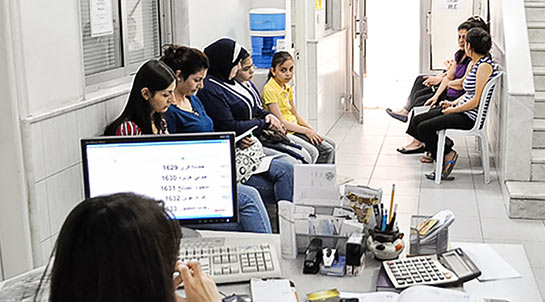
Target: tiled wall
[(56, 164)]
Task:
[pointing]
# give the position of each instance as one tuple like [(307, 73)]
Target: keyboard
[(229, 260)]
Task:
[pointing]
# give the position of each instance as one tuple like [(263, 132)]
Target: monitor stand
[(190, 233)]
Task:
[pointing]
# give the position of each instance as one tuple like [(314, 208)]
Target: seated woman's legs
[(326, 150), (417, 89), (310, 148), (252, 214), (275, 184)]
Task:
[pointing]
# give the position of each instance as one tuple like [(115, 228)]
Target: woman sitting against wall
[(187, 114), (150, 97), (461, 113)]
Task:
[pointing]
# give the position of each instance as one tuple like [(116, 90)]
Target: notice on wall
[(451, 5), (101, 18)]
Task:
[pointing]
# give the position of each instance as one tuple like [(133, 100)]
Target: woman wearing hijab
[(232, 107)]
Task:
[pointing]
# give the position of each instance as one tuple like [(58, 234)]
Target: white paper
[(491, 265), (372, 297), (272, 290), (435, 294), (315, 185), (246, 133), (265, 163), (101, 18)]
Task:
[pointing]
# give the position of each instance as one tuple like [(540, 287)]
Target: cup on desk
[(385, 245)]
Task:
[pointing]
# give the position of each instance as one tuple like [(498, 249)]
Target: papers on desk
[(491, 265), (315, 185), (272, 290), (418, 293)]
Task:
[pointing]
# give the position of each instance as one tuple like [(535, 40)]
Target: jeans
[(252, 215), (275, 184), (419, 94), (324, 153)]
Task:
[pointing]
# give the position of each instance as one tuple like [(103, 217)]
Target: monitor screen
[(193, 174)]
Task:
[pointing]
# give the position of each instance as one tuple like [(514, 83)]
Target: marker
[(384, 220), (381, 214), (392, 202), (377, 214), (390, 226)]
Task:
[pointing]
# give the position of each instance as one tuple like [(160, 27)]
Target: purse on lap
[(248, 160)]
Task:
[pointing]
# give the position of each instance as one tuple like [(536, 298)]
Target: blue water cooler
[(267, 30)]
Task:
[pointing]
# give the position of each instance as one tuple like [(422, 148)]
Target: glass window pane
[(143, 30), (101, 52)]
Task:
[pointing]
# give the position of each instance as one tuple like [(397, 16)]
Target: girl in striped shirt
[(461, 113)]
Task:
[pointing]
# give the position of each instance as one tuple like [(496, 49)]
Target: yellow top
[(274, 93)]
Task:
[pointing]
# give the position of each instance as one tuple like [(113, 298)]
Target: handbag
[(248, 160)]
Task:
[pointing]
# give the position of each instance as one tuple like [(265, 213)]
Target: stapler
[(313, 257), (328, 256)]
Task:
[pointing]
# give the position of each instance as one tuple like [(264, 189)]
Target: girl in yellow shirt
[(278, 98)]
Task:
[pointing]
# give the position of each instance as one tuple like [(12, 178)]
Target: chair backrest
[(486, 96)]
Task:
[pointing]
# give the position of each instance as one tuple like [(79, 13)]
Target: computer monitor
[(193, 174)]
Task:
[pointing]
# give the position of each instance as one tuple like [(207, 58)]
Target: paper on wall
[(315, 185)]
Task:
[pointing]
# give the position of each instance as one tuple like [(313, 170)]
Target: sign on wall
[(101, 18), (451, 5)]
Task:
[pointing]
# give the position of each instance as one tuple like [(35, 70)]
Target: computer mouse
[(237, 298)]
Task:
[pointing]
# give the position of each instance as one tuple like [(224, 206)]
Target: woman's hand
[(431, 101), (449, 110), (245, 143), (198, 286), (274, 123), (446, 104), (432, 81), (314, 137)]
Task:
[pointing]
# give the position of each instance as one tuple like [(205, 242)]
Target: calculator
[(449, 268)]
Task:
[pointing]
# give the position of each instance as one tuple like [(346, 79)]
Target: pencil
[(392, 203)]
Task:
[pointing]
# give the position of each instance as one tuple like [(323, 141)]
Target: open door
[(358, 30)]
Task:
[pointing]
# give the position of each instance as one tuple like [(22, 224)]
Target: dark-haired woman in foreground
[(123, 248), (462, 113)]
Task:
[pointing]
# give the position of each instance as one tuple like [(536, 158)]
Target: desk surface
[(514, 290)]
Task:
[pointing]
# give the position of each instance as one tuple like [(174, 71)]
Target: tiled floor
[(368, 154)]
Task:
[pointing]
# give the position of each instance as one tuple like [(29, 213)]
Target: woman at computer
[(150, 97), (121, 248), (187, 114)]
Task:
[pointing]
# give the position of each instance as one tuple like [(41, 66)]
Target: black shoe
[(402, 150), (399, 117)]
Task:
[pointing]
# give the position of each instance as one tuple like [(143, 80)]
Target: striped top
[(128, 128), (470, 85)]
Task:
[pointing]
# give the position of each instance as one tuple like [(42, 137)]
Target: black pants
[(424, 126), (419, 93)]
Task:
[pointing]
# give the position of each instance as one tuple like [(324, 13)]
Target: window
[(118, 36)]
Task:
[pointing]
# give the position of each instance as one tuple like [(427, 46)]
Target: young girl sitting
[(278, 97)]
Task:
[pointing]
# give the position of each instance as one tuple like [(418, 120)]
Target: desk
[(514, 290)]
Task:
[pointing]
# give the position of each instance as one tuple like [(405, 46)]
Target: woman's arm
[(483, 74), (291, 126), (450, 75)]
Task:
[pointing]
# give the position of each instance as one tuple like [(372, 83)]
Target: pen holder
[(417, 246), (385, 245)]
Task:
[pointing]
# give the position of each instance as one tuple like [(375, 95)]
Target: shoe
[(426, 159), (449, 165), (402, 150), (431, 176), (398, 117)]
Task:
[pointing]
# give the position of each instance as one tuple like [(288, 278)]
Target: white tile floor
[(368, 154)]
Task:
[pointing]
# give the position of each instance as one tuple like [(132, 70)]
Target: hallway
[(367, 153)]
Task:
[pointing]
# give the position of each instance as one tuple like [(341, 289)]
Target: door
[(358, 30)]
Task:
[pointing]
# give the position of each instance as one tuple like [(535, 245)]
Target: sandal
[(431, 176), (402, 150), (449, 165), (426, 159)]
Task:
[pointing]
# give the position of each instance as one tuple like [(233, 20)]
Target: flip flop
[(426, 159), (431, 176), (449, 165), (402, 150), (399, 117)]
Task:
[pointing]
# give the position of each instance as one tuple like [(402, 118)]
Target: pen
[(381, 215), (376, 210), (384, 220), (392, 221), (392, 202)]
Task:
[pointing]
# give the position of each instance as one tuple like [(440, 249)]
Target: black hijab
[(223, 55)]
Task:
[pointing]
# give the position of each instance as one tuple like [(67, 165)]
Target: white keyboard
[(230, 260)]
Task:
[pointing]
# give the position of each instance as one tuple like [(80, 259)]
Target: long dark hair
[(156, 76), (120, 247), (278, 59), (185, 59)]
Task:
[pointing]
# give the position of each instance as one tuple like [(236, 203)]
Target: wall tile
[(114, 107), (37, 147), (61, 144), (64, 191), (44, 224), (91, 120), (46, 248)]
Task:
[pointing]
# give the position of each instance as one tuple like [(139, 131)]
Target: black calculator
[(449, 268)]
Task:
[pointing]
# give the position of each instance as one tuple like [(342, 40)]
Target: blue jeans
[(252, 214), (275, 184)]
